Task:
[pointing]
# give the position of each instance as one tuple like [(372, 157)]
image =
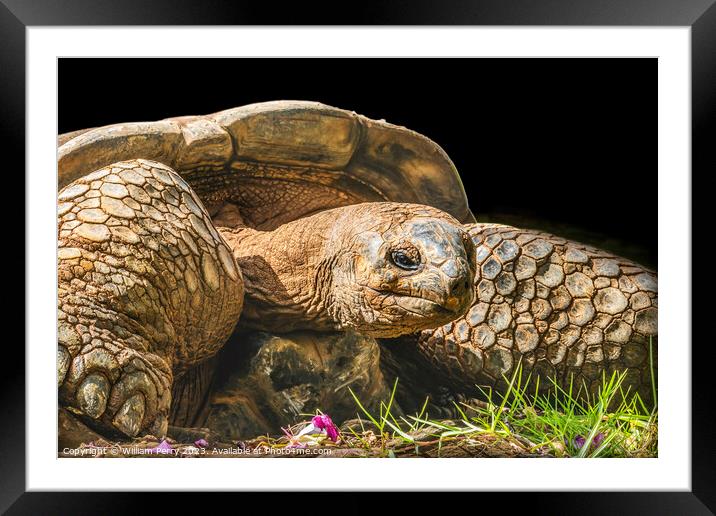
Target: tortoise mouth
[(424, 306), (433, 306)]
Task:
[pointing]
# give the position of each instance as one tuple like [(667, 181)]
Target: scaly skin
[(559, 307), (147, 289), (333, 271)]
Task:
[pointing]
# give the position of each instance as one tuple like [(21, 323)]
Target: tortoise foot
[(146, 288), (117, 390)]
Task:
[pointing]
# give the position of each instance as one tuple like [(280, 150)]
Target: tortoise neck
[(287, 274)]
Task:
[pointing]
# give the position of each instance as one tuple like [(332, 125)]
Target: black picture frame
[(699, 15)]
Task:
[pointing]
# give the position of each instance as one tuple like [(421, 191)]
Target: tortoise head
[(399, 268)]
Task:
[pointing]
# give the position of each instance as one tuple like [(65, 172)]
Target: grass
[(564, 423), (523, 422)]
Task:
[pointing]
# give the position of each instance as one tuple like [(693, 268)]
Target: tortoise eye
[(405, 260)]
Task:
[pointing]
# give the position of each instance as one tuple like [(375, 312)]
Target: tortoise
[(299, 218), (547, 308), (556, 311), (170, 231)]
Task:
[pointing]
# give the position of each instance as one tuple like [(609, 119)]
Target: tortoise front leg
[(147, 289), (561, 309)]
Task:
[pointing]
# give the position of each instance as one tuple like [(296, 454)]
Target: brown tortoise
[(304, 220), (556, 308)]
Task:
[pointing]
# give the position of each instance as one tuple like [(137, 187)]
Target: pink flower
[(580, 441), (163, 447), (324, 422), (598, 439), (201, 443)]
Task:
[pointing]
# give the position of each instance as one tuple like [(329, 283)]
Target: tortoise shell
[(279, 161)]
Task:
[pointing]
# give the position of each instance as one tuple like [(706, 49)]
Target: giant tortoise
[(313, 228)]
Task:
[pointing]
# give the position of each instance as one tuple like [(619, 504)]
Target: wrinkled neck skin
[(336, 270), (287, 274)]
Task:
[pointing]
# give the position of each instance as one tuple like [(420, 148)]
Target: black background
[(566, 145)]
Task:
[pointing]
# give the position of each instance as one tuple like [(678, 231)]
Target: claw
[(92, 395), (102, 360), (63, 363), (129, 417), (133, 383)]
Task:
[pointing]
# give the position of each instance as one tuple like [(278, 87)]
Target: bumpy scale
[(147, 288), (564, 310)]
